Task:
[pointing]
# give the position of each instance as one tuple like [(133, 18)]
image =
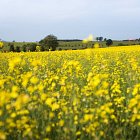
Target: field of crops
[(70, 95)]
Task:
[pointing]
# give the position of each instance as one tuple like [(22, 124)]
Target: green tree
[(24, 48), (42, 48), (50, 42), (11, 49), (109, 42), (105, 39), (99, 38), (32, 47), (17, 49)]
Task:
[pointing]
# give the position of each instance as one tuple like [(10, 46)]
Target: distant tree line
[(70, 40), (26, 47), (51, 43)]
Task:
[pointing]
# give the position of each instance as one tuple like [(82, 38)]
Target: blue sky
[(32, 20)]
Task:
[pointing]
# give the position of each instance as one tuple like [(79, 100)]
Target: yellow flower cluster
[(88, 39), (83, 94), (1, 45)]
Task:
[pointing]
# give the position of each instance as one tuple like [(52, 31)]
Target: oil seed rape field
[(70, 95)]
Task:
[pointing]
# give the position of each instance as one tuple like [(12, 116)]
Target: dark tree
[(11, 49), (32, 47), (17, 49), (42, 48), (109, 42), (100, 38), (24, 48), (60, 49), (50, 42), (97, 38), (105, 39)]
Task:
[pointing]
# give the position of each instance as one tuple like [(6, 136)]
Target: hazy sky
[(32, 20)]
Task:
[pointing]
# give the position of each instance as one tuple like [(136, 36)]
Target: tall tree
[(11, 49), (50, 42), (109, 42), (17, 49)]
